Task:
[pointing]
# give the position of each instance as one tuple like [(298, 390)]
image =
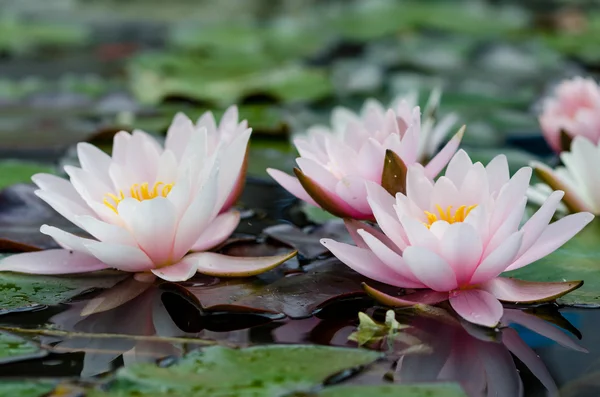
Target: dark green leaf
[(15, 348)]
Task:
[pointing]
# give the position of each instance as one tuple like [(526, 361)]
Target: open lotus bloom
[(454, 237), (147, 206), (579, 178), (335, 162), (575, 110)]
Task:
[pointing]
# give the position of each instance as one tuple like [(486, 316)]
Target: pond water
[(82, 70)]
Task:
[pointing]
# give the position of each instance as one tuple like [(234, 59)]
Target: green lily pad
[(443, 389), (263, 371), (578, 259), (14, 348), (12, 172), (25, 388), (22, 291)]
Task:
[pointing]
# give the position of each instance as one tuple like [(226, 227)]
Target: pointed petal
[(235, 153), (65, 239), (382, 205), (292, 185), (55, 261), (180, 271), (498, 260), (427, 297), (364, 262), (328, 200), (477, 306), (572, 200), (238, 188), (122, 257), (218, 265), (553, 237), (461, 247), (435, 166), (217, 231), (94, 161), (520, 291)]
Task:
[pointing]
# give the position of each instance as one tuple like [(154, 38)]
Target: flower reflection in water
[(135, 320)]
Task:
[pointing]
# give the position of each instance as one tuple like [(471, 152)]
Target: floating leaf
[(25, 388), (15, 348), (371, 331), (578, 259), (23, 291), (262, 371)]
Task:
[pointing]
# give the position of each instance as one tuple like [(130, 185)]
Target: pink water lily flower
[(574, 109), (147, 207), (224, 133), (579, 178), (453, 238), (335, 162)]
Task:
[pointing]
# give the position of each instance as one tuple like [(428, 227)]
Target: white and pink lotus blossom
[(224, 133), (147, 207), (335, 163), (579, 178), (575, 110), (451, 239)]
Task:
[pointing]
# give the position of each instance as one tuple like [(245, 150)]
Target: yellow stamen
[(139, 192), (459, 215)]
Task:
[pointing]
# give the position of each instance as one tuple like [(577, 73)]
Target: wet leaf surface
[(578, 259), (22, 291), (14, 348), (25, 388), (256, 371)]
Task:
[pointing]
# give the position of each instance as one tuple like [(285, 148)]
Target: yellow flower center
[(137, 191), (451, 217)]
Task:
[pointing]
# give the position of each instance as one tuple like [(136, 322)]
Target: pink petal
[(572, 199), (538, 221), (178, 134), (382, 205), (518, 347), (235, 155), (390, 258), (238, 188), (217, 231), (436, 164), (291, 184), (329, 200), (418, 187), (106, 232), (196, 217), (510, 195), (477, 306), (498, 261), (154, 224), (180, 271), (429, 268), (60, 187), (519, 291), (461, 247), (65, 207), (65, 239), (94, 161), (122, 257), (218, 265), (554, 236), (364, 262), (497, 173), (508, 227), (353, 191), (458, 167), (120, 144), (427, 297), (321, 175), (54, 261)]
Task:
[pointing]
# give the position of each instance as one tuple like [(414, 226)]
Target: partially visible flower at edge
[(579, 178), (335, 162), (574, 110), (451, 239), (147, 207)]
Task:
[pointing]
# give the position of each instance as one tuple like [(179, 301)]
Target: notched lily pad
[(262, 371)]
